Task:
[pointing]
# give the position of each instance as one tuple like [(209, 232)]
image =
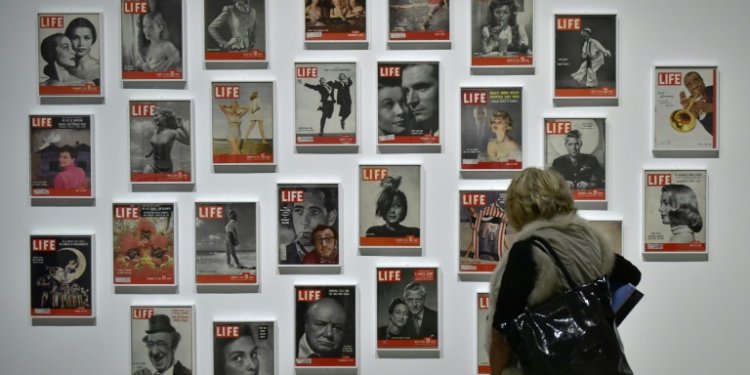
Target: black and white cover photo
[(390, 205), (226, 243), (160, 141), (408, 103), (675, 211), (152, 40), (586, 56), (419, 20), (70, 54), (502, 32), (577, 148), (325, 330), (244, 348), (325, 103), (407, 308), (235, 30)]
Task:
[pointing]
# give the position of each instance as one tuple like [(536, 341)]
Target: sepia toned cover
[(332, 103), (226, 243), (583, 69), (171, 338), (396, 224), (144, 243), (56, 139), (418, 20), (408, 103), (69, 54), (302, 207), (482, 230), (502, 40), (675, 211), (235, 30), (612, 231), (335, 20), (586, 175), (398, 330), (325, 329), (686, 108), (244, 347), (483, 358), (61, 276), (242, 115), (491, 128), (161, 154), (152, 40)]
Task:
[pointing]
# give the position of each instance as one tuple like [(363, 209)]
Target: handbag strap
[(543, 245)]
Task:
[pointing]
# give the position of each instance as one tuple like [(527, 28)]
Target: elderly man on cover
[(325, 323), (423, 321), (161, 341)]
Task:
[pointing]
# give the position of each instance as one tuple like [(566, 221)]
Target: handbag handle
[(543, 245)]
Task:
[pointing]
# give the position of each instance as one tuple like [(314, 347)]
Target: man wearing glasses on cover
[(326, 244)]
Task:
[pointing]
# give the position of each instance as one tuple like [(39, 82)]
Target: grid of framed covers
[(494, 143)]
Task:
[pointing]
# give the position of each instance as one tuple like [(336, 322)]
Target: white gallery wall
[(692, 320)]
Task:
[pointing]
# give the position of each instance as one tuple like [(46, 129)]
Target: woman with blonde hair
[(540, 207), (503, 147)]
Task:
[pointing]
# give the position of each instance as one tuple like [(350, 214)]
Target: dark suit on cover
[(428, 328)]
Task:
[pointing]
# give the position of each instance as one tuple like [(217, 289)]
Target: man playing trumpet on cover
[(701, 100)]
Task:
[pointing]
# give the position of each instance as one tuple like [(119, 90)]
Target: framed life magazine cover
[(408, 308), (153, 43), (62, 278), (162, 339), (675, 223), (502, 36), (586, 60), (390, 207), (491, 131), (326, 326), (483, 310), (161, 151), (303, 208), (577, 149), (236, 34), (483, 231), (686, 111), (335, 24), (226, 244), (144, 247), (70, 54), (409, 105), (420, 24), (243, 126), (325, 105), (61, 159), (244, 347)]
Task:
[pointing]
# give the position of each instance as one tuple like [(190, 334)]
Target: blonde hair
[(537, 194)]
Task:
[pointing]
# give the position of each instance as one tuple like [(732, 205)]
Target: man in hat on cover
[(161, 340)]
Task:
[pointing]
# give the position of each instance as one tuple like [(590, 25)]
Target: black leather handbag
[(572, 333)]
